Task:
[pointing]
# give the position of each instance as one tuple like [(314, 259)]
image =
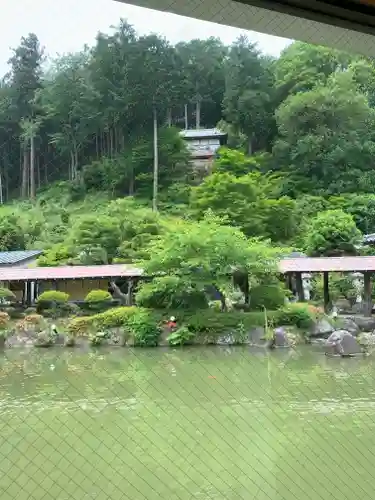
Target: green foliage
[(269, 296), (250, 202), (98, 296), (212, 259), (332, 233), (12, 236), (325, 138), (144, 329), (98, 238), (170, 292), (182, 336), (340, 287), (53, 296), (6, 295), (297, 314), (113, 318), (237, 163)]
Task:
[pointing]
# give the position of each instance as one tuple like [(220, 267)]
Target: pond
[(220, 423)]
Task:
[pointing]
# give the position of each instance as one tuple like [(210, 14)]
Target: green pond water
[(220, 423)]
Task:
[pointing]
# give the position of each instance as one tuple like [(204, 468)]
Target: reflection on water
[(181, 424)]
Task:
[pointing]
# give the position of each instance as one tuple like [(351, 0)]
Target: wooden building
[(77, 281)]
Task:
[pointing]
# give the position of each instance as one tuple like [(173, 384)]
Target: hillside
[(76, 165)]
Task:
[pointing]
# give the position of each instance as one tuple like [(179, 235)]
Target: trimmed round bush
[(98, 296), (53, 296)]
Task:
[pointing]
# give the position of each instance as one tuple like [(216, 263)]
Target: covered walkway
[(295, 267)]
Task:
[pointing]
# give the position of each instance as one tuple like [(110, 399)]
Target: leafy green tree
[(250, 202), (236, 162), (98, 237), (325, 139), (11, 233), (210, 260), (247, 101), (301, 67), (332, 233), (203, 77)]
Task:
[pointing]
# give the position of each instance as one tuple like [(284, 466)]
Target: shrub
[(30, 310), (170, 292), (145, 330), (68, 309), (53, 296), (6, 295), (53, 300), (33, 319), (114, 318), (80, 326), (269, 296), (98, 300), (298, 314), (15, 312), (4, 320), (33, 322), (182, 336), (98, 296)]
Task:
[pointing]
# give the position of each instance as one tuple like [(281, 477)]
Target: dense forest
[(76, 156)]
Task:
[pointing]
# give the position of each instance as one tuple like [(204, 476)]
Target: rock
[(280, 339), (342, 343), (343, 305), (364, 323), (226, 340), (349, 325), (43, 339), (322, 328), (256, 335)]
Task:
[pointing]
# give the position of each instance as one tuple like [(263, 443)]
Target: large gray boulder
[(322, 328), (342, 343), (364, 323), (348, 324)]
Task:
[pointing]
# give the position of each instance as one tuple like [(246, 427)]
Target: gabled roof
[(18, 256), (321, 264), (201, 133), (68, 272)]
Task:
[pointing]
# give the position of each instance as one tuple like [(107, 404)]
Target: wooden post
[(367, 289), (299, 287), (326, 290), (289, 282)]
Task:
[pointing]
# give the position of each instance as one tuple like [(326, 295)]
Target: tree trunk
[(38, 170), (250, 146), (118, 294), (97, 146), (169, 117), (186, 117), (25, 172), (111, 143), (198, 114), (1, 188), (32, 167)]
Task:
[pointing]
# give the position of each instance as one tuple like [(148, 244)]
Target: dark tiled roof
[(369, 238), (68, 272), (18, 256), (320, 264)]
